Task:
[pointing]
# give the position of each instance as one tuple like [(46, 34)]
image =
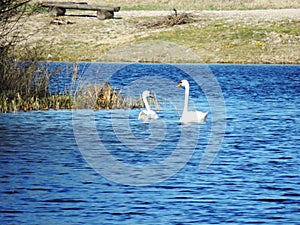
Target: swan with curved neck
[(147, 113), (190, 116)]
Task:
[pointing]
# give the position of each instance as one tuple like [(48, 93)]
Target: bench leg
[(55, 11), (105, 14)]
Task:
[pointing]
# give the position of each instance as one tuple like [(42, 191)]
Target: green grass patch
[(232, 42)]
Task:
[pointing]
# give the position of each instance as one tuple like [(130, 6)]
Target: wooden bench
[(59, 8)]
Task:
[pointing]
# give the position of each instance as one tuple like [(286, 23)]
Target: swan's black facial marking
[(179, 84), (151, 95)]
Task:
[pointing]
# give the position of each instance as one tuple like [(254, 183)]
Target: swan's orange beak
[(179, 84)]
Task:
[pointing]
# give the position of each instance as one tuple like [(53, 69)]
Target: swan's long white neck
[(146, 103), (186, 98)]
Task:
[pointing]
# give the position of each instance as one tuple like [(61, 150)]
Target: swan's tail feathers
[(205, 115), (202, 116), (155, 116)]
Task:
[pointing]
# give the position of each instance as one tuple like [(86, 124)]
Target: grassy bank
[(213, 37), (227, 41)]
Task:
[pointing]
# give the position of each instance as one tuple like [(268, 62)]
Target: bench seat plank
[(80, 6)]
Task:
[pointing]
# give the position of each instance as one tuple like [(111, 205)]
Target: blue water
[(57, 168)]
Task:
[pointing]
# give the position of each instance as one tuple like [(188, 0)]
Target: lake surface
[(106, 167)]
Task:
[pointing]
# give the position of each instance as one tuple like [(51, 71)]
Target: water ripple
[(253, 180)]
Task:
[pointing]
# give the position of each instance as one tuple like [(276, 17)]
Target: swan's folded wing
[(193, 117)]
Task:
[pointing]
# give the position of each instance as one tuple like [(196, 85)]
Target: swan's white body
[(190, 116), (147, 113)]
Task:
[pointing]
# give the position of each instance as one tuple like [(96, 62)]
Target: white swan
[(190, 116), (147, 113)]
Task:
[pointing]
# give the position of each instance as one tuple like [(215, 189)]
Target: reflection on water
[(45, 178)]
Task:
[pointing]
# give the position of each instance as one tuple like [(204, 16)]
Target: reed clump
[(104, 96), (95, 97), (24, 86)]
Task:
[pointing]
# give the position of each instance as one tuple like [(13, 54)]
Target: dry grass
[(197, 4), (206, 4)]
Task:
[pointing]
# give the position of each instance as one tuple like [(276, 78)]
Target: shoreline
[(94, 96)]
